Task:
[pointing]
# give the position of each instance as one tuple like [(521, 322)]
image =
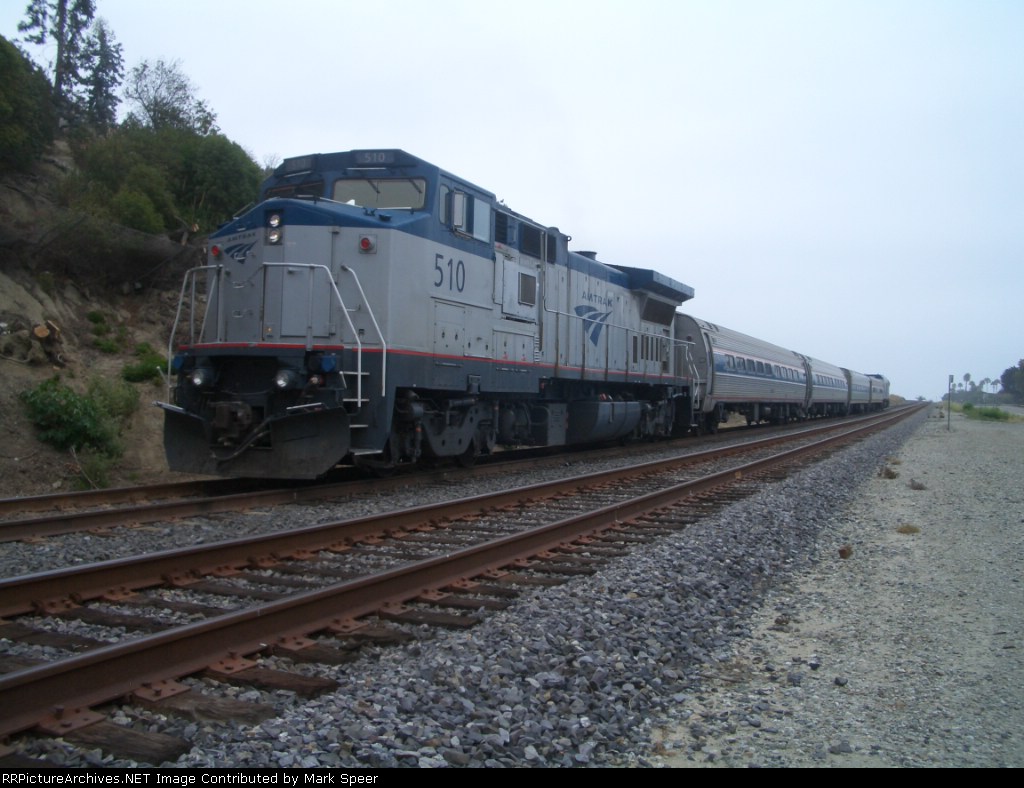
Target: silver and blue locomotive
[(376, 309)]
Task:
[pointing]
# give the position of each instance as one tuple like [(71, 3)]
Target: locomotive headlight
[(275, 228), (201, 377), (285, 379)]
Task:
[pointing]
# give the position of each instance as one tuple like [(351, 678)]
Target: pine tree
[(103, 73), (64, 22)]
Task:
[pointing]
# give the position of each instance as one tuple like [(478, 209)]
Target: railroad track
[(420, 566), (100, 510)]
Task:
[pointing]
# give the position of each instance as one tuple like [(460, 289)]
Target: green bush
[(135, 210), (68, 420), (149, 366), (986, 413), (95, 469), (115, 398)]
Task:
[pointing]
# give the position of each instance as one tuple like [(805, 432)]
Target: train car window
[(527, 289), (409, 193), (760, 367), (481, 220), (471, 216), (306, 190), (741, 364), (730, 362), (444, 205)]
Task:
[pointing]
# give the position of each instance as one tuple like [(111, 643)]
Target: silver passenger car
[(738, 373)]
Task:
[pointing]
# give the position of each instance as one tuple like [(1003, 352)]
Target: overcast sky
[(844, 179)]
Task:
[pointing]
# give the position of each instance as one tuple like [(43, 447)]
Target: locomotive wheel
[(468, 458)]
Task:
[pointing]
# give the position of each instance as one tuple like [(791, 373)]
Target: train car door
[(520, 291)]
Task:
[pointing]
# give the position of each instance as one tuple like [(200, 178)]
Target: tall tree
[(64, 22), (103, 67), (164, 98), (1012, 381)]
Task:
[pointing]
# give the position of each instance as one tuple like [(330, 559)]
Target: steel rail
[(187, 499), (79, 500), (25, 593), (104, 674)]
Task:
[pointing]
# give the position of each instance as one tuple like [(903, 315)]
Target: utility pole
[(949, 405)]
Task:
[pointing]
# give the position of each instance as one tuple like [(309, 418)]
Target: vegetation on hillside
[(88, 425), (27, 118), (164, 169), (115, 175)]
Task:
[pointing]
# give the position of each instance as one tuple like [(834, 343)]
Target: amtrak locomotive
[(375, 309)]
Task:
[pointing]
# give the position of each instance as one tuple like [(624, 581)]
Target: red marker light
[(215, 251), (367, 243)]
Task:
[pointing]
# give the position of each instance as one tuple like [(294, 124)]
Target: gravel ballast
[(747, 639), (906, 653)]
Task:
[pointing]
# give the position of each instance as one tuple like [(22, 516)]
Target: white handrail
[(190, 277), (376, 326)]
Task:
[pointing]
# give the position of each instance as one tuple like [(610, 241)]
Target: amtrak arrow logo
[(596, 320), (239, 251)]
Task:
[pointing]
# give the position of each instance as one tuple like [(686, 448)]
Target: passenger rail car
[(374, 308), (736, 373)]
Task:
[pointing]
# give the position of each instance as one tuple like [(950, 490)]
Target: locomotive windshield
[(407, 193)]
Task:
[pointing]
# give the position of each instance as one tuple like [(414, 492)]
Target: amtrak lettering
[(597, 298)]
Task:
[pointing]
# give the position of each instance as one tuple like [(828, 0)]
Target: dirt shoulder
[(27, 466), (908, 652)]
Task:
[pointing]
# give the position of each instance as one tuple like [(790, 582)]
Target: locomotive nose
[(231, 420)]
